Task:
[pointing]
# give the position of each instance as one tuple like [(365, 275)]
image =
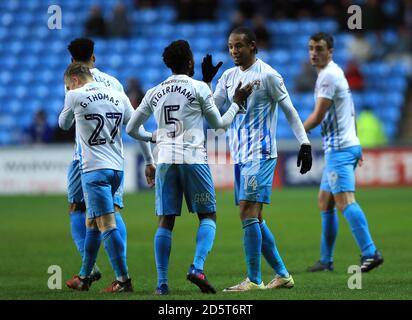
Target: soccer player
[(98, 113), (335, 112), (179, 104), (82, 51), (252, 140)]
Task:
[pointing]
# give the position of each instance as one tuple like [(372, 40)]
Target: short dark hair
[(177, 55), (323, 36), (249, 35), (78, 69), (81, 49)]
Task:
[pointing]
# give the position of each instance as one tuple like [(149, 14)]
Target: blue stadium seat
[(166, 14)]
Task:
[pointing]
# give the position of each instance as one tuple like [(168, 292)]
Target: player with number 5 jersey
[(179, 104)]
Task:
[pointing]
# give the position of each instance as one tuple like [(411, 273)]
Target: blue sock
[(204, 242), (91, 248), (252, 241), (163, 245), (359, 227), (329, 233), (113, 243), (122, 229), (78, 229), (270, 252)]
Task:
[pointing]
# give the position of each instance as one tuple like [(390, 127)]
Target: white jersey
[(253, 135), (99, 113), (108, 81), (178, 104), (338, 127)]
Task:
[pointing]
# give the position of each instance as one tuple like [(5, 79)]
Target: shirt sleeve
[(326, 86), (210, 110), (136, 130), (128, 109), (276, 87), (294, 121), (66, 117), (220, 94)]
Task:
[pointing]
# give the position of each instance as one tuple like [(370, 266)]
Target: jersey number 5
[(94, 139), (170, 120)]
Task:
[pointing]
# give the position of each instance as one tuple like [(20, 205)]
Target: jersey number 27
[(94, 139)]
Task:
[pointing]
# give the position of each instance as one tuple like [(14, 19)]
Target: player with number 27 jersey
[(99, 113)]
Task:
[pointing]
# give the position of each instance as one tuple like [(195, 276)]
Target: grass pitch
[(35, 233)]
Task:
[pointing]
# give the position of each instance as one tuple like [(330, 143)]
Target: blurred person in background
[(359, 48), (195, 10), (370, 130), (306, 79), (354, 76), (134, 91), (39, 131), (119, 25), (95, 24), (262, 33)]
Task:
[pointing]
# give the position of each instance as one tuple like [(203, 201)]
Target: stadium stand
[(34, 58)]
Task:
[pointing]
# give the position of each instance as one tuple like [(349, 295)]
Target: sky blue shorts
[(339, 172), (192, 180), (253, 180), (75, 190), (99, 188)]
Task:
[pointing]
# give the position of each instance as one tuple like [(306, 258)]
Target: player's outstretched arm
[(304, 160), (318, 114), (294, 121), (135, 127), (222, 122)]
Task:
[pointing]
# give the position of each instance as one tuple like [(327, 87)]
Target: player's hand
[(361, 160), (208, 69), (150, 172), (241, 95), (154, 137), (305, 158)]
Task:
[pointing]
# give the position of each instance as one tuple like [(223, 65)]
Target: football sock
[(252, 242), (78, 229), (91, 248), (113, 243), (204, 242), (122, 229), (163, 245), (270, 252), (359, 227), (329, 233)]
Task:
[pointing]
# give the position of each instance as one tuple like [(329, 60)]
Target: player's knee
[(91, 224), (211, 216), (167, 222), (325, 201), (106, 222), (343, 199), (249, 210)]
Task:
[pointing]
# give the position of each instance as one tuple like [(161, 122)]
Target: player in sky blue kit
[(98, 113), (252, 140), (81, 51), (335, 112), (179, 105)]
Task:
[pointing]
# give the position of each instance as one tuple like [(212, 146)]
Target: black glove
[(208, 70), (305, 158)]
